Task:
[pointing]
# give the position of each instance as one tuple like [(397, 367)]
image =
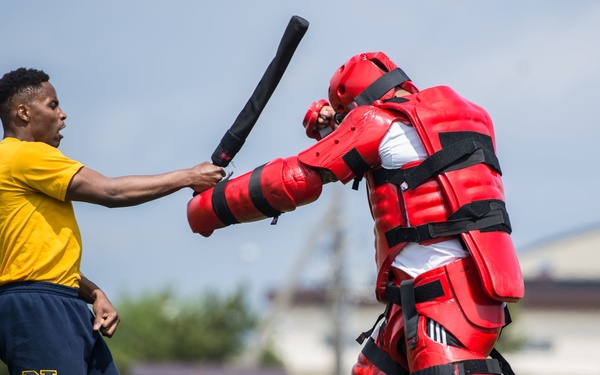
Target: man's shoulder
[(36, 150)]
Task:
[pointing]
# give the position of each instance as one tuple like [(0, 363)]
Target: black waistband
[(38, 287)]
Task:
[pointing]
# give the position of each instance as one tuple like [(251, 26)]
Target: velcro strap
[(506, 369), (485, 211), (462, 150), (388, 176), (459, 150), (379, 87), (357, 165), (409, 313), (475, 366), (219, 203), (365, 335), (423, 293), (381, 359), (257, 195), (486, 216)]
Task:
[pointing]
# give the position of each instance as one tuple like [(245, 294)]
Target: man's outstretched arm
[(93, 187)]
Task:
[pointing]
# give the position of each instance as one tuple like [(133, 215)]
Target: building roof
[(575, 256), (563, 272)]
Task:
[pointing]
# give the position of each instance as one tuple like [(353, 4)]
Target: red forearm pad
[(279, 186)]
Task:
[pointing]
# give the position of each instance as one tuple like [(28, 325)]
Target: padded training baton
[(236, 135)]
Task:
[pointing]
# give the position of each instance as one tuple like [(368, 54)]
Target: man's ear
[(23, 112)]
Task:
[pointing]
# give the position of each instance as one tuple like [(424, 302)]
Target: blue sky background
[(151, 86)]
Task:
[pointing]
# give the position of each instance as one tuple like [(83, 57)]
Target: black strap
[(507, 317), (459, 150), (357, 165), (506, 369), (220, 204), (409, 313), (364, 335), (475, 366), (486, 216), (423, 293), (382, 360), (470, 149), (389, 176), (379, 87), (257, 195), (396, 99)]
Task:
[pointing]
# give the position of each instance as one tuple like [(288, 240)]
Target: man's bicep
[(86, 186)]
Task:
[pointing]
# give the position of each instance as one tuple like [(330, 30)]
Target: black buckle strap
[(386, 176), (506, 369), (364, 335), (475, 366), (357, 165), (485, 215), (219, 203), (462, 150), (423, 293), (258, 197), (459, 150), (409, 313), (382, 360), (379, 87)]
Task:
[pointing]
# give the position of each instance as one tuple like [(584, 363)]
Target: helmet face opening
[(355, 76)]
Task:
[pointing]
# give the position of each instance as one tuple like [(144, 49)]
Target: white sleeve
[(400, 145)]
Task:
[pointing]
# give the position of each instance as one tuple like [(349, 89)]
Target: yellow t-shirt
[(39, 236)]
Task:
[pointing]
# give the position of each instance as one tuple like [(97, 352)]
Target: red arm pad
[(279, 186)]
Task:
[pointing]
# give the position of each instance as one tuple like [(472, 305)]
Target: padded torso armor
[(456, 191)]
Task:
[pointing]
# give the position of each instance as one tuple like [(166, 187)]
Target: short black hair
[(21, 81)]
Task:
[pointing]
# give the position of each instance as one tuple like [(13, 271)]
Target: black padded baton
[(236, 135)]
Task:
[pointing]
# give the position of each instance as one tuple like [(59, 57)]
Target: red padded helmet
[(357, 74)]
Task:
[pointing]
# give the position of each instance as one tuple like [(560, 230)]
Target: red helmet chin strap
[(381, 88)]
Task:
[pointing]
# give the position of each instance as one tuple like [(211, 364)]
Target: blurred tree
[(160, 327)]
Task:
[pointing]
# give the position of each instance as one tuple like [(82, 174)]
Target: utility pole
[(331, 226), (336, 290), (283, 297)]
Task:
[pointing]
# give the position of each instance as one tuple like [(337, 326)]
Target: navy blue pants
[(45, 326)]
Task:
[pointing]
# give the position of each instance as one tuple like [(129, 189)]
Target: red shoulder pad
[(357, 138)]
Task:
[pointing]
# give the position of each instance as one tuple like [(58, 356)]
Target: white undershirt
[(402, 145)]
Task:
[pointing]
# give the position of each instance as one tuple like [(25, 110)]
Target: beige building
[(559, 318)]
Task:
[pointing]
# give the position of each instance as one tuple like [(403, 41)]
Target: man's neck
[(401, 92)]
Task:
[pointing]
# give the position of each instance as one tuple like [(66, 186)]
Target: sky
[(151, 86)]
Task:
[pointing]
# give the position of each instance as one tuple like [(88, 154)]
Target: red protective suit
[(456, 192)]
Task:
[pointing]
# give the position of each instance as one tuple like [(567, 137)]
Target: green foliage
[(159, 327), (269, 358)]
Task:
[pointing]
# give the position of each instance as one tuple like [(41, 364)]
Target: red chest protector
[(457, 190)]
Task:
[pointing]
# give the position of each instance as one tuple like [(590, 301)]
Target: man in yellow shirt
[(45, 323)]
